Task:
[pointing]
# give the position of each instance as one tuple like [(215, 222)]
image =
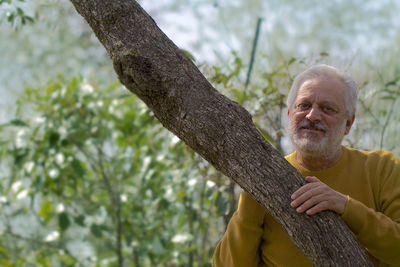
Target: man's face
[(318, 120)]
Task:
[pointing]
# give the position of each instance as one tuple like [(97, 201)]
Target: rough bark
[(220, 130)]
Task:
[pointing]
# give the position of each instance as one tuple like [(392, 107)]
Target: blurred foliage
[(58, 41), (91, 178), (376, 125), (14, 14)]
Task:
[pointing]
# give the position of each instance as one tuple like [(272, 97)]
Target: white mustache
[(312, 125)]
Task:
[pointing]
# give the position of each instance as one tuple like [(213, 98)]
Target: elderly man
[(363, 187)]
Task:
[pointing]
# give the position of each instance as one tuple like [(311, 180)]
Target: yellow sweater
[(371, 179)]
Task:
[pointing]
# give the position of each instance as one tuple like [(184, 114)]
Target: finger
[(305, 188), (306, 191), (331, 200), (312, 192), (310, 202), (321, 206), (311, 180)]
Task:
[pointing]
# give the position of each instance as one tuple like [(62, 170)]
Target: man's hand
[(316, 196)]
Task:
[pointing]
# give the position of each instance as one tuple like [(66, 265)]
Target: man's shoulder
[(291, 155), (378, 155), (291, 158)]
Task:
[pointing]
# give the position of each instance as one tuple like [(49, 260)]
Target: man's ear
[(349, 123), (288, 112)]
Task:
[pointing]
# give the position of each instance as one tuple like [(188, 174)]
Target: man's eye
[(329, 110), (303, 106)]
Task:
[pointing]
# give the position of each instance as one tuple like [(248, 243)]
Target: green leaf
[(18, 123), (66, 260), (188, 54), (96, 230), (46, 210), (42, 259), (3, 254), (80, 220), (11, 17), (188, 249), (65, 142), (291, 61), (20, 156), (181, 194), (5, 263), (20, 11), (164, 204), (76, 165), (388, 97), (63, 221), (30, 19), (53, 138), (266, 135)]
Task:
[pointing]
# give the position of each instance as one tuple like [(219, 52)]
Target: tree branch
[(220, 130)]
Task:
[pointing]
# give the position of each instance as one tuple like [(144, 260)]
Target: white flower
[(124, 198), (60, 208), (149, 193), (146, 162), (20, 138), (29, 166), (52, 236), (169, 193), (15, 186), (59, 158), (160, 157), (87, 88), (210, 183), (53, 173), (39, 119), (22, 194), (180, 238), (175, 140), (192, 182), (62, 130)]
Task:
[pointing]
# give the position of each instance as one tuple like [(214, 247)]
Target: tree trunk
[(220, 130)]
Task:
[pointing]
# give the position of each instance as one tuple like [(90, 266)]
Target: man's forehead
[(328, 89), (329, 84)]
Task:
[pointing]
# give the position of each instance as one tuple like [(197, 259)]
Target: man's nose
[(314, 114)]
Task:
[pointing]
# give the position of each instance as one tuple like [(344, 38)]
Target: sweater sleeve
[(240, 244), (379, 231)]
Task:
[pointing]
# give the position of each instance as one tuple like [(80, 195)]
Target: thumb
[(312, 179)]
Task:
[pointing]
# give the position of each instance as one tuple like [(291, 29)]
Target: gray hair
[(323, 70)]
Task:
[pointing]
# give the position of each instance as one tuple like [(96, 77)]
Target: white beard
[(322, 148)]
